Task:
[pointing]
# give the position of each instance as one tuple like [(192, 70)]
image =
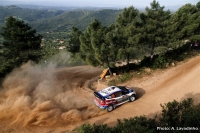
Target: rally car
[(113, 96)]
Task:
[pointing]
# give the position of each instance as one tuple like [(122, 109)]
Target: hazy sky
[(102, 3)]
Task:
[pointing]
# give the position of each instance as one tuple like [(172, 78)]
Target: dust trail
[(45, 96)]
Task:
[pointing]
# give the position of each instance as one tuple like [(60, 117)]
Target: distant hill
[(79, 18), (65, 8), (27, 14), (44, 20), (59, 19)]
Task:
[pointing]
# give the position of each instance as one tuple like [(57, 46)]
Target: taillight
[(103, 102)]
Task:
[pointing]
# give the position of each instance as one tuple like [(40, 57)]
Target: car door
[(118, 97), (125, 96)]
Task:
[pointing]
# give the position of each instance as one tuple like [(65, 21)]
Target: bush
[(174, 114), (180, 114), (125, 77), (112, 82), (135, 125), (87, 128), (159, 62)]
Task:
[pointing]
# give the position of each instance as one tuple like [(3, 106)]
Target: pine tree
[(96, 45), (74, 43), (124, 29), (185, 25), (21, 43), (156, 25)]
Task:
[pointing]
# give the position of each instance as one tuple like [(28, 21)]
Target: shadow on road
[(139, 91)]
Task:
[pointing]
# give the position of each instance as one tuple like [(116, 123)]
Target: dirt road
[(67, 102)]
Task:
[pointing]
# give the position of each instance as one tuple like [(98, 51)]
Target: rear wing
[(99, 96)]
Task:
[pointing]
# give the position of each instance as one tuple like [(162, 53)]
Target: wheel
[(110, 108), (132, 98)]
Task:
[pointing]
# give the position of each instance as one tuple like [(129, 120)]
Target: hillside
[(79, 18), (44, 20), (26, 14)]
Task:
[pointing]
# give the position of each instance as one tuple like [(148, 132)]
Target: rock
[(107, 76), (147, 70), (173, 64)]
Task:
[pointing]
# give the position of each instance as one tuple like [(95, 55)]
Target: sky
[(101, 3)]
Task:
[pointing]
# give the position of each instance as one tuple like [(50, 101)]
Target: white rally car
[(113, 96)]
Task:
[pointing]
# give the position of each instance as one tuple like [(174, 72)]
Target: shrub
[(174, 114), (87, 128), (112, 82), (159, 62), (181, 114), (125, 77), (120, 79), (135, 125)]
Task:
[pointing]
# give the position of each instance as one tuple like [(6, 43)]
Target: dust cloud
[(45, 95)]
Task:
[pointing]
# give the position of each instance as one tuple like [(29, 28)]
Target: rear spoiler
[(99, 96)]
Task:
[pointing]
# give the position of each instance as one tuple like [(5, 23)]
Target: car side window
[(118, 94)]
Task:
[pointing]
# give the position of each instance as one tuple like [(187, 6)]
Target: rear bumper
[(101, 107)]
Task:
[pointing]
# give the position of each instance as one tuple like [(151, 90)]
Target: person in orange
[(113, 96)]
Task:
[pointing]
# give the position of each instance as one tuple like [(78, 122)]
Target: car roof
[(109, 90)]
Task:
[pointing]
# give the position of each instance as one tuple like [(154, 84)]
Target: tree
[(195, 19), (88, 41), (74, 43), (21, 43), (97, 46), (184, 25), (125, 28), (136, 35), (156, 25)]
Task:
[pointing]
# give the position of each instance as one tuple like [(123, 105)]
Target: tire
[(132, 98), (110, 108)]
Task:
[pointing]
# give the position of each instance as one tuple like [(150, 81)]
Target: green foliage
[(97, 47), (156, 23), (124, 77), (48, 52), (112, 82), (174, 114), (74, 43), (135, 33), (118, 35), (177, 114), (28, 15), (48, 20), (136, 125), (87, 128), (21, 44), (185, 24), (128, 32), (160, 62), (121, 79), (133, 125)]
